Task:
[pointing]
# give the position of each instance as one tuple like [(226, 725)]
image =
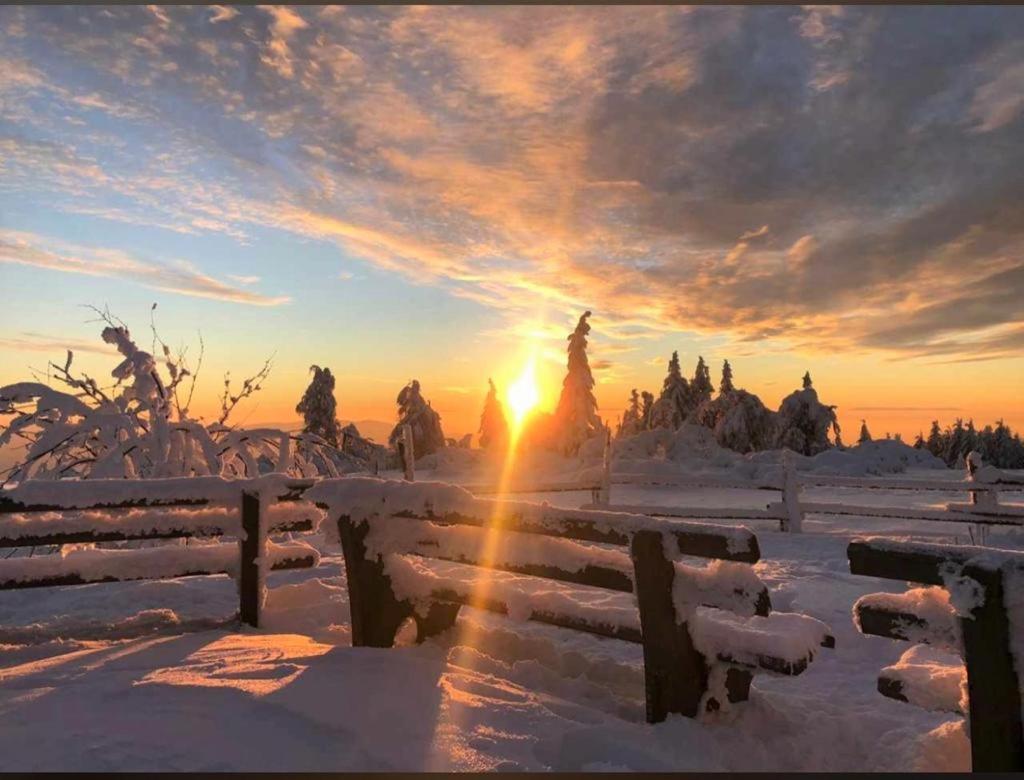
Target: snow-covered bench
[(43, 513), (974, 609), (705, 630)]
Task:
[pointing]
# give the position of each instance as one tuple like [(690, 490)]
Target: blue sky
[(402, 192)]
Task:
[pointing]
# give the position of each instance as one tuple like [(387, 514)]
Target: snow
[(723, 584), (103, 677), (931, 678), (790, 637)]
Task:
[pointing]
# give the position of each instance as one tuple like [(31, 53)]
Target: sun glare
[(523, 394)]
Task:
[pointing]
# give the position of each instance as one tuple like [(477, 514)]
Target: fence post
[(252, 552), (604, 495), (794, 520), (408, 456), (993, 683), (675, 674)]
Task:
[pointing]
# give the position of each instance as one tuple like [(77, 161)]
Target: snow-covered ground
[(104, 677)]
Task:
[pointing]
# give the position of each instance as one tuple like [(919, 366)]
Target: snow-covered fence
[(704, 630), (983, 487), (38, 513), (974, 609)]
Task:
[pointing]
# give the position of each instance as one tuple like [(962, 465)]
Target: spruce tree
[(645, 411), (631, 417), (674, 403), (416, 412), (934, 442), (575, 416), (318, 407), (807, 380), (493, 426), (701, 387), (726, 385), (865, 436)]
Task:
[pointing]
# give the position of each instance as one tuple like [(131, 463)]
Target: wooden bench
[(705, 630), (42, 513), (971, 617)]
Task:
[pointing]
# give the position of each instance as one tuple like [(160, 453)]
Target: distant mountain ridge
[(377, 430)]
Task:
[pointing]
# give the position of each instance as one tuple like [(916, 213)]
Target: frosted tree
[(646, 409), (493, 426), (804, 422), (672, 406), (739, 420), (865, 436), (416, 412), (726, 385), (575, 419), (632, 418), (318, 408), (701, 387), (934, 442)]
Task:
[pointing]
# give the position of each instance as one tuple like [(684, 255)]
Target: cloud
[(36, 342), (561, 158), (33, 250)]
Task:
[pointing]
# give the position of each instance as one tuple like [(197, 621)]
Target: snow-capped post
[(982, 499), (408, 457), (604, 493), (793, 522), (675, 674), (252, 548)]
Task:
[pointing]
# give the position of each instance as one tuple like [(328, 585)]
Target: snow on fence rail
[(983, 487), (975, 610), (77, 511), (704, 630)]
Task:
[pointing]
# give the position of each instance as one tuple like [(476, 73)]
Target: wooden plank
[(39, 540), (539, 487), (252, 549), (935, 515), (772, 512), (891, 625), (692, 539), (681, 481), (573, 622), (993, 684), (300, 562), (675, 674), (921, 563), (884, 483), (997, 510)]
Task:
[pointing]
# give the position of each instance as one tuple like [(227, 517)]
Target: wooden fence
[(127, 510)]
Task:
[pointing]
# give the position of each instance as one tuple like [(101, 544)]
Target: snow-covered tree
[(416, 412), (318, 408), (934, 442), (701, 387), (726, 385), (575, 419), (865, 435), (672, 406), (804, 422), (739, 420), (493, 426), (646, 409), (141, 426), (632, 418)]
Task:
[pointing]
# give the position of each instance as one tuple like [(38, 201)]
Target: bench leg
[(376, 613), (439, 618), (675, 674), (993, 684)]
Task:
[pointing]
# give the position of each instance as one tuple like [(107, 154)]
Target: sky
[(439, 192)]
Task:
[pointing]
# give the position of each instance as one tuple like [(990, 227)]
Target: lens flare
[(523, 394)]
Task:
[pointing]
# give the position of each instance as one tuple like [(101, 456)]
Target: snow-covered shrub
[(493, 426), (142, 427)]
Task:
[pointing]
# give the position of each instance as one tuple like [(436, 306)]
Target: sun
[(523, 393)]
